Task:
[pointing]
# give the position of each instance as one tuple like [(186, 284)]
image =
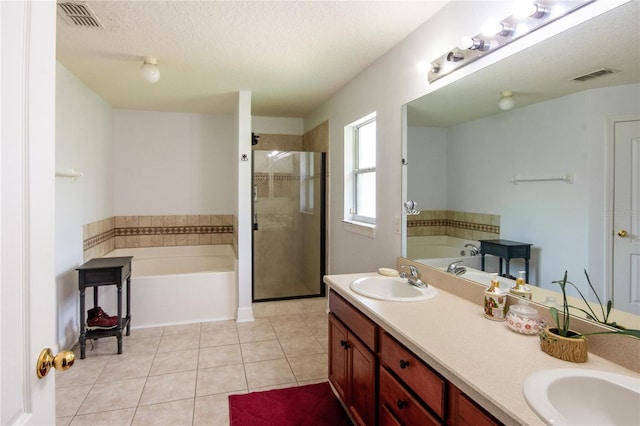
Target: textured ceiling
[(292, 55), (541, 72)]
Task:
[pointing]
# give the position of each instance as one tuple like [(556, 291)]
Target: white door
[(27, 287), (626, 216)]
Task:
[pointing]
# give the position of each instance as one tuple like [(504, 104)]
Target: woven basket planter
[(565, 348)]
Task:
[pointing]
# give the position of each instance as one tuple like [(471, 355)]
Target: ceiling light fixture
[(149, 71), (527, 17), (507, 102)]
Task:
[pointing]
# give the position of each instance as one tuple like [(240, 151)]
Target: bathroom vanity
[(437, 361)]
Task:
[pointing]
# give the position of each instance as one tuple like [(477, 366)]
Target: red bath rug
[(310, 405)]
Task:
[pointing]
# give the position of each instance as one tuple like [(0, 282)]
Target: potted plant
[(569, 345)]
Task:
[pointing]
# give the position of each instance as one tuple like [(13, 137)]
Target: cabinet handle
[(344, 344), (404, 364), (401, 404)]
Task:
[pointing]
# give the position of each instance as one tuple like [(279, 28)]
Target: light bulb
[(423, 66), (526, 9), (507, 102), (149, 70), (492, 27), (471, 43)]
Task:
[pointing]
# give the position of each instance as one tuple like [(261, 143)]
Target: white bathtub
[(441, 250), (183, 284)]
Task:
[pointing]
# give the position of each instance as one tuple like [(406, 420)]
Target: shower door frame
[(323, 231)]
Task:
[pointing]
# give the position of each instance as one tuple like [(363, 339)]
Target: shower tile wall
[(467, 225), (101, 237)]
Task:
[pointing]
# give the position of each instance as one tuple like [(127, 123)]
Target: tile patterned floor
[(183, 374)]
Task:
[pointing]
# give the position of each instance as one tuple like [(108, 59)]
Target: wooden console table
[(99, 272), (507, 250)]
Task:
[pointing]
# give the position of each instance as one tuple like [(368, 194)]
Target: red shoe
[(96, 317)]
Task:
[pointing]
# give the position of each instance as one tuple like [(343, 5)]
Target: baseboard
[(245, 315)]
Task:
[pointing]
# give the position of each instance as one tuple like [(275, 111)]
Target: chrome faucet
[(475, 251), (456, 269), (414, 279)]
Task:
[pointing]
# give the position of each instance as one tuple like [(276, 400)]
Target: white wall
[(244, 197), (384, 87), (427, 158), (83, 142), (277, 125), (172, 163)]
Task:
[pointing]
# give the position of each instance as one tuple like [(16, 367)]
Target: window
[(360, 171), (308, 181)]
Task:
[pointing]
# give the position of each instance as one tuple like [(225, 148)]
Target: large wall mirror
[(542, 173)]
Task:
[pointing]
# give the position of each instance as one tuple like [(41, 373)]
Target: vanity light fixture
[(472, 43), (529, 9), (493, 27), (507, 102), (455, 56), (149, 71), (527, 17)]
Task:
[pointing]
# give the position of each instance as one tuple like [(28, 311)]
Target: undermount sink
[(391, 288), (573, 396)]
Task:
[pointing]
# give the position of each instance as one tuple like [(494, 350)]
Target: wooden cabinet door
[(465, 412), (363, 382), (338, 358), (352, 371)]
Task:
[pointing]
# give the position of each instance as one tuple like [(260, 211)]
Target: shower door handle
[(255, 213)]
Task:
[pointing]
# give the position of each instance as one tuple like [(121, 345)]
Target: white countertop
[(484, 358)]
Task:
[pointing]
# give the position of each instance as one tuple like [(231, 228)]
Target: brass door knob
[(622, 233), (61, 362)]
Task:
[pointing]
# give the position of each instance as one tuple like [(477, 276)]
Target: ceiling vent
[(594, 74), (78, 14)]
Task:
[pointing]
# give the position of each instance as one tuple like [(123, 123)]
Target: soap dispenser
[(521, 289), (495, 300)]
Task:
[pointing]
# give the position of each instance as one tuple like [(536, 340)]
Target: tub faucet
[(456, 269), (414, 279), (475, 251)]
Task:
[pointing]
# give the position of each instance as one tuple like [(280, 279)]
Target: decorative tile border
[(426, 222), (275, 176), (474, 226), (98, 239), (172, 230), (495, 229)]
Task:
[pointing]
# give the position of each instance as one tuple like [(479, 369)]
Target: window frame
[(356, 222)]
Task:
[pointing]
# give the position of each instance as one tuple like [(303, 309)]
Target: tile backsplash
[(103, 236), (467, 225)]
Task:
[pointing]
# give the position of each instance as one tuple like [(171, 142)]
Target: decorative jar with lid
[(524, 319)]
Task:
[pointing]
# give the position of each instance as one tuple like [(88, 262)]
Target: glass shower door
[(289, 224)]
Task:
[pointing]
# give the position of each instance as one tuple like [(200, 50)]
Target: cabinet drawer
[(355, 320), (426, 383), (397, 403)]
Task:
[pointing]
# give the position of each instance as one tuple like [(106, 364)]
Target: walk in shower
[(288, 224)]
